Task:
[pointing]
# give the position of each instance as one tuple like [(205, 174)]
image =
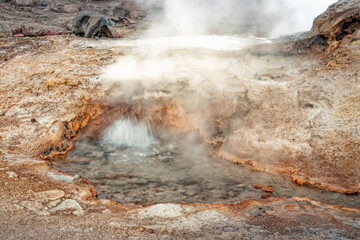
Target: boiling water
[(130, 164), (124, 132)]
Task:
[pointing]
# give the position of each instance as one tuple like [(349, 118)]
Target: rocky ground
[(38, 18), (304, 111)]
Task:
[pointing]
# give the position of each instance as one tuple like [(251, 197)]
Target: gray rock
[(69, 205), (5, 31), (117, 12), (63, 177), (36, 207), (137, 14), (90, 24), (54, 203), (11, 174), (43, 4), (50, 195), (106, 211), (255, 211), (24, 3), (64, 8), (32, 30)]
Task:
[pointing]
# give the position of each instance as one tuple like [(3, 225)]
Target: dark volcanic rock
[(5, 30), (340, 20), (90, 24)]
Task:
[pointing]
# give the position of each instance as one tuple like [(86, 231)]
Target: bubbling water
[(175, 168), (129, 133), (131, 164)]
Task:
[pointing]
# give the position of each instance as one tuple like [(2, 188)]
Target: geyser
[(129, 133), (170, 167), (214, 79)]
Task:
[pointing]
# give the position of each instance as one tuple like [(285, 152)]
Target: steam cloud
[(178, 50), (258, 17), (191, 55)]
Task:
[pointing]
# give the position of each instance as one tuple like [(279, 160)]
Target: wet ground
[(30, 93), (130, 165)]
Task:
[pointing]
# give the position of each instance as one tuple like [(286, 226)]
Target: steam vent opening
[(187, 96), (180, 119), (134, 161)]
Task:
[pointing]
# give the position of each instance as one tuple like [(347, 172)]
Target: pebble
[(302, 203), (50, 195), (190, 193), (2, 113), (11, 174), (24, 3), (119, 196), (63, 177), (183, 197), (106, 211), (43, 4), (83, 160), (54, 203), (266, 195), (162, 210), (69, 204), (255, 211), (128, 199), (35, 206), (248, 194), (230, 229)]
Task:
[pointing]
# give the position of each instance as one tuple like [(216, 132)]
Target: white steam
[(185, 43), (192, 56), (194, 61), (297, 15), (262, 17), (191, 43)]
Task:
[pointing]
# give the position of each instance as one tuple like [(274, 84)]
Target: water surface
[(168, 167)]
